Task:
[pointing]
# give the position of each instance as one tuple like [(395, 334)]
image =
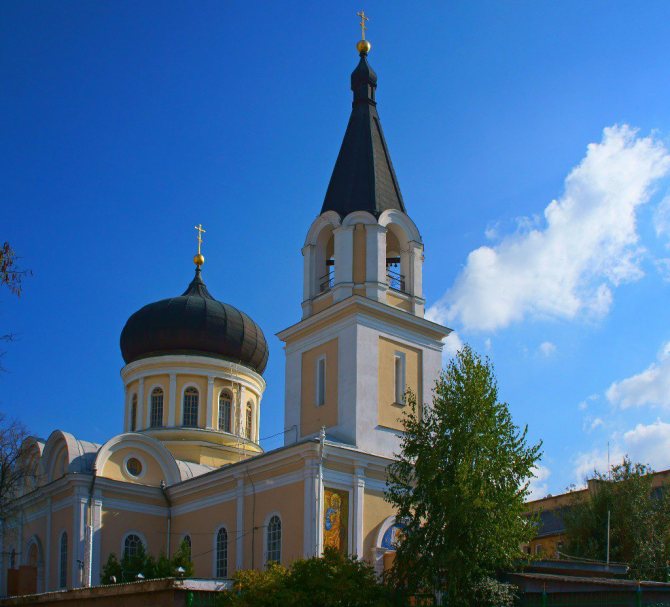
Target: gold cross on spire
[(199, 259), (361, 14)]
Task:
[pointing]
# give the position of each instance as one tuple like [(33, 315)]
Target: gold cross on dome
[(361, 14), (200, 233)]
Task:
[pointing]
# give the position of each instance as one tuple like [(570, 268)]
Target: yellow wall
[(156, 381), (202, 525), (321, 303), (390, 413), (117, 523), (398, 302), (288, 502), (114, 467), (375, 512), (312, 417), (61, 520), (201, 384)]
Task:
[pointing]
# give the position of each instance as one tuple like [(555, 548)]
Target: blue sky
[(124, 124)]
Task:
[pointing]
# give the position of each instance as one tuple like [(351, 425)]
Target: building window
[(134, 466), (250, 417), (273, 552), (538, 549), (225, 412), (62, 576), (222, 553), (191, 408), (399, 377), (133, 414), (321, 381), (156, 408), (131, 545)]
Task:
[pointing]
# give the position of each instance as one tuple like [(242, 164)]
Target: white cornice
[(394, 314), (172, 363)]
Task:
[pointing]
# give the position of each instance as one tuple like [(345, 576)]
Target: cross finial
[(361, 14), (199, 259)]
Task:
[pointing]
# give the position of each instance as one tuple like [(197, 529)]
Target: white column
[(415, 277), (344, 262), (210, 399), (308, 279), (172, 406), (141, 422), (375, 262), (240, 410), (47, 549), (311, 508), (239, 531), (96, 529), (257, 437), (78, 538), (359, 495), (126, 414)]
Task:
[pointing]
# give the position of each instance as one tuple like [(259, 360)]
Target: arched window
[(221, 553), (156, 408), (325, 261), (250, 418), (131, 545), (191, 408), (133, 414), (225, 410), (62, 576), (395, 268), (273, 551)]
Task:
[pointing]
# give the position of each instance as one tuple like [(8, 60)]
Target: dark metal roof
[(363, 178), (194, 323)]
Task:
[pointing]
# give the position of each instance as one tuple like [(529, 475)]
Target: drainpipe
[(89, 544), (169, 515), (319, 497)]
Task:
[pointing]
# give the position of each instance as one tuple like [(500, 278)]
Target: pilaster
[(210, 398), (141, 421), (344, 262), (375, 262), (172, 407), (239, 523), (358, 499)]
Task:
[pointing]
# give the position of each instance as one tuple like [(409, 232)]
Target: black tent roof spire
[(363, 178)]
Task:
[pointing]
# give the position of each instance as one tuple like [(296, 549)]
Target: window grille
[(225, 410), (131, 545), (156, 408), (191, 408), (273, 553), (222, 553)]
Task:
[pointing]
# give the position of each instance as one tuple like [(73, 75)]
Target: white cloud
[(538, 484), (488, 344), (645, 443), (547, 348), (649, 444), (568, 264), (650, 387), (663, 268), (585, 403), (662, 218), (452, 344)]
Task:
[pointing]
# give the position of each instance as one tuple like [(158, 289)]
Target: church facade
[(188, 464)]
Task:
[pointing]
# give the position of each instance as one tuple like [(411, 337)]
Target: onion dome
[(194, 323)]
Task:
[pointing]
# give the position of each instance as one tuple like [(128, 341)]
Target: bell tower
[(363, 339)]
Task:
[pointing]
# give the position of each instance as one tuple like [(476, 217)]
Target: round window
[(134, 466)]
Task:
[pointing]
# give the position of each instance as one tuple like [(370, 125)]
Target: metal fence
[(635, 598)]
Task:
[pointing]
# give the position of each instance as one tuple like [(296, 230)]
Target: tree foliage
[(16, 472), (459, 487), (639, 521), (333, 580), (128, 568), (10, 274)]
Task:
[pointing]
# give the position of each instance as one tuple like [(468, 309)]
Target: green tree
[(333, 580), (639, 521), (11, 276), (459, 487), (126, 570)]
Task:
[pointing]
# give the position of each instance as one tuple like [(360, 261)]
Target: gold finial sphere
[(363, 46), (199, 259)]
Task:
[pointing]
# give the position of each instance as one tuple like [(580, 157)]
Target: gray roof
[(363, 178)]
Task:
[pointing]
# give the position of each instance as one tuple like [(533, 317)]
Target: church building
[(188, 465)]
